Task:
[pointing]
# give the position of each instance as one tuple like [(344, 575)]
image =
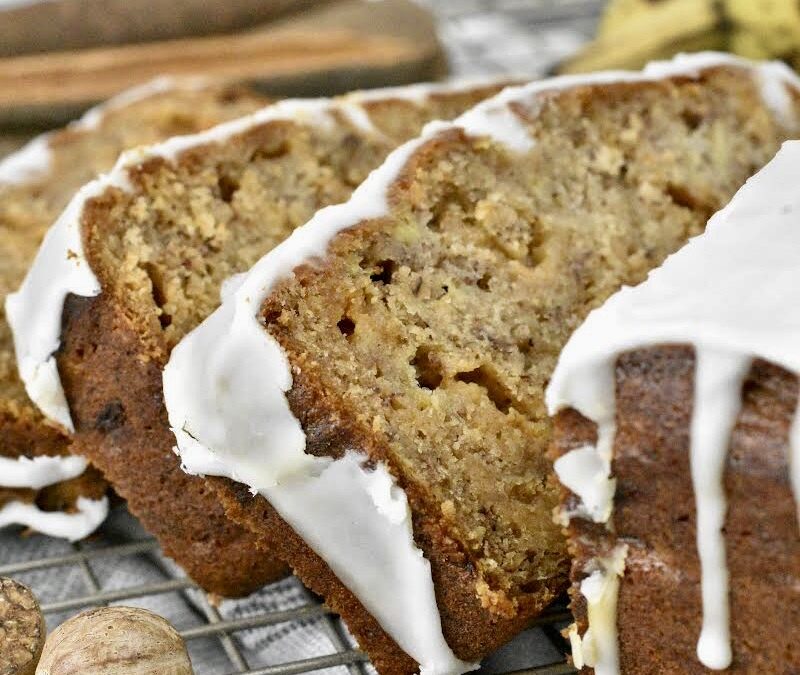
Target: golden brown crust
[(121, 426), (25, 434), (659, 605)]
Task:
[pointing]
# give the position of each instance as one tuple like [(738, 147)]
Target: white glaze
[(597, 647), (733, 294), (352, 514), (32, 161), (39, 472), (59, 268), (794, 459), (586, 473), (72, 526), (28, 163), (719, 377)]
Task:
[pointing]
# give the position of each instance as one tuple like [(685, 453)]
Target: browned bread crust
[(659, 610), (121, 425)]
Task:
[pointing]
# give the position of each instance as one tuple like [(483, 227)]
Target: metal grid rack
[(82, 559), (481, 37)]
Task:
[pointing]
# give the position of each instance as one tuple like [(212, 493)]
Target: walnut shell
[(22, 629), (115, 641)]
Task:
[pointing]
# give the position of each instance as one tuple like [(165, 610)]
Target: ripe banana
[(633, 32)]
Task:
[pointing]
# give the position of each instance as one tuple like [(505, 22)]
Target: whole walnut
[(22, 629), (115, 641)]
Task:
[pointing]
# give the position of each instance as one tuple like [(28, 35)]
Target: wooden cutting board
[(28, 27), (335, 47)]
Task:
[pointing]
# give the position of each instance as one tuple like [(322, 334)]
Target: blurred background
[(58, 57)]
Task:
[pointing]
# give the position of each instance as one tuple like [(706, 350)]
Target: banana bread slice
[(678, 443), (378, 379), (44, 488), (160, 234)]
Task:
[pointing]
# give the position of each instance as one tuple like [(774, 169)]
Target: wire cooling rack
[(81, 576), (122, 565), (70, 578)]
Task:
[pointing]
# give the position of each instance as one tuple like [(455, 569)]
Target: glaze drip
[(733, 294), (87, 517), (598, 647), (717, 399)]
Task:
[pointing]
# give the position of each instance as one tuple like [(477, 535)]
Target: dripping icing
[(719, 377), (38, 472), (732, 293), (597, 647), (87, 517)]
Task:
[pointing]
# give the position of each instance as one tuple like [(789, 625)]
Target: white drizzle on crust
[(32, 161), (226, 381), (73, 525), (39, 472), (734, 294)]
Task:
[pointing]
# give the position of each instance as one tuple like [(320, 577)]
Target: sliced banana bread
[(678, 443), (378, 379), (35, 184), (160, 233)]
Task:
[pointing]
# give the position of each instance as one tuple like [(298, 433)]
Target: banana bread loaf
[(35, 184), (378, 379)]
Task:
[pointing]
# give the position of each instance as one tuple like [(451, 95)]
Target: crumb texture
[(435, 329), (162, 251), (165, 249)]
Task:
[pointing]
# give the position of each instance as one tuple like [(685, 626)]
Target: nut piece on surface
[(115, 641), (22, 629)]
